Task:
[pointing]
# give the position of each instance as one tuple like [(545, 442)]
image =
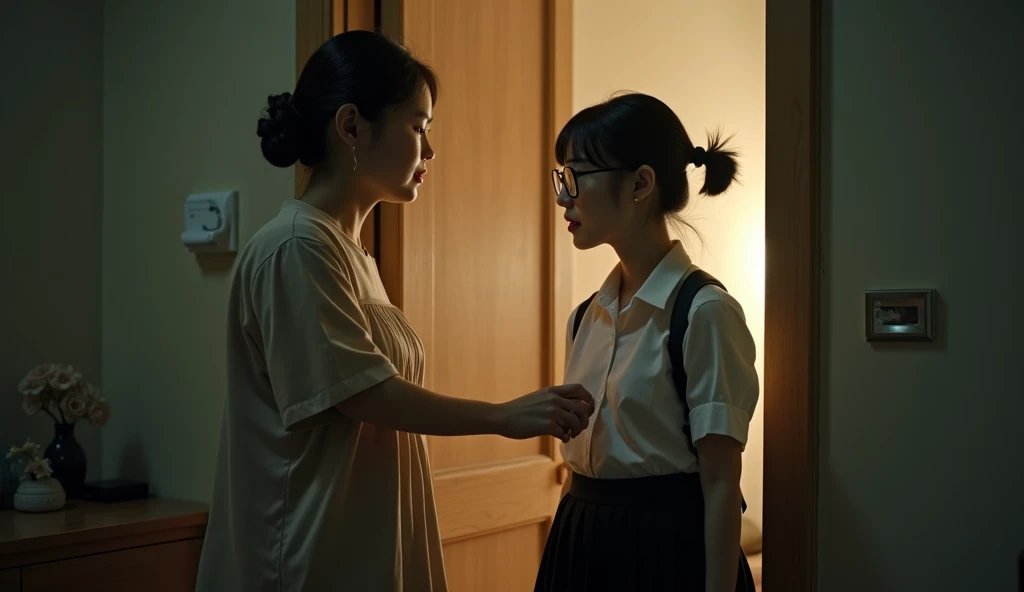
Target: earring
[(355, 162)]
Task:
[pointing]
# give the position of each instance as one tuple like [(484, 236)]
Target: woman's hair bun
[(280, 131)]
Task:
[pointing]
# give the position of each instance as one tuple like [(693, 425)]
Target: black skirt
[(635, 535)]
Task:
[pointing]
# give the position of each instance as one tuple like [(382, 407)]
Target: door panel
[(473, 263), (471, 565)]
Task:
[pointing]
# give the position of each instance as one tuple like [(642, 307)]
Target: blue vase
[(67, 459)]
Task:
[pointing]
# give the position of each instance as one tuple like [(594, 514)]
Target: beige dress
[(306, 499)]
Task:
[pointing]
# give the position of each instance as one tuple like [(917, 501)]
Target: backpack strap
[(579, 315), (678, 325)]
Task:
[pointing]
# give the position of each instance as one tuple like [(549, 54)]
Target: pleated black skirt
[(634, 535)]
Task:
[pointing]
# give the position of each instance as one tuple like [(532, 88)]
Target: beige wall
[(921, 482), (184, 83), (51, 64), (706, 61)]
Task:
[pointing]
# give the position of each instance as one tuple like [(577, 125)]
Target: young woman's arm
[(720, 459), (722, 393)]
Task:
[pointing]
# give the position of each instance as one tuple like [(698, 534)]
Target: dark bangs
[(590, 136)]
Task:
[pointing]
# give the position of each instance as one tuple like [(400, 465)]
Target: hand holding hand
[(559, 411)]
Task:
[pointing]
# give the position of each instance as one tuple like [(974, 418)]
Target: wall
[(51, 63), (706, 61), (921, 482), (184, 84)]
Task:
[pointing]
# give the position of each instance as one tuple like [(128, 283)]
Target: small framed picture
[(899, 315)]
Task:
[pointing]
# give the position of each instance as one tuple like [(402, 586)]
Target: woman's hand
[(559, 411)]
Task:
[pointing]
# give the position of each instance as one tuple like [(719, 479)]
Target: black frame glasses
[(567, 178)]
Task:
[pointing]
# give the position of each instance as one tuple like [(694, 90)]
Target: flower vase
[(39, 495), (67, 458)]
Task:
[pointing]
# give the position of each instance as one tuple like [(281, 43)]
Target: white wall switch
[(211, 222)]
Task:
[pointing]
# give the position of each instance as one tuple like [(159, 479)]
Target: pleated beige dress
[(304, 498)]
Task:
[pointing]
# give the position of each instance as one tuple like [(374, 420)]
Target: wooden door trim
[(792, 293), (316, 21), (560, 242), (560, 83)]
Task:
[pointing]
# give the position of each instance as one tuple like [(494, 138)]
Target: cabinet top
[(101, 525)]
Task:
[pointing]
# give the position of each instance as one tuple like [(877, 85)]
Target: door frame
[(792, 293), (792, 257)]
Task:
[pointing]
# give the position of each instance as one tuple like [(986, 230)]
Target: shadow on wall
[(133, 463), (842, 517), (215, 264), (847, 563)]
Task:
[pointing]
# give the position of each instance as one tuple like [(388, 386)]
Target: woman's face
[(392, 155), (608, 206)]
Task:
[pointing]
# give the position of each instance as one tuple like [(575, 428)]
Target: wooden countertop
[(93, 527)]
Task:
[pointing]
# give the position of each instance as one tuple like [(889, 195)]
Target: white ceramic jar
[(39, 495)]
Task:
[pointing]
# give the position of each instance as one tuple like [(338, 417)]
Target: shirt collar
[(658, 287)]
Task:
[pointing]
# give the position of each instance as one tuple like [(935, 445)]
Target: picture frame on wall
[(899, 315)]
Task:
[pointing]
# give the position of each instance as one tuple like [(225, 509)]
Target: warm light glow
[(724, 92)]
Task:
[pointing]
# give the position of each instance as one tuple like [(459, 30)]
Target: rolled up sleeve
[(722, 385)]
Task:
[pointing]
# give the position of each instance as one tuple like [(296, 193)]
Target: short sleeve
[(316, 338), (722, 386)]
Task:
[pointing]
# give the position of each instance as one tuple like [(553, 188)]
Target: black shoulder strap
[(678, 325), (579, 315), (680, 322)]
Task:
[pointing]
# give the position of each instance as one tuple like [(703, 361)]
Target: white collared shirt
[(621, 356)]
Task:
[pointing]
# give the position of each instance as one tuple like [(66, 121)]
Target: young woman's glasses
[(568, 175)]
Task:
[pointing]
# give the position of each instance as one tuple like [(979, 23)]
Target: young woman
[(322, 478), (653, 500)]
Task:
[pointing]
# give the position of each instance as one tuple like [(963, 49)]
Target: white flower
[(29, 449), (65, 378), (92, 392), (32, 386), (39, 468), (99, 412), (42, 372), (32, 404), (74, 405)]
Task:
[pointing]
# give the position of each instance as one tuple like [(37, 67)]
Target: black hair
[(632, 130), (363, 68)]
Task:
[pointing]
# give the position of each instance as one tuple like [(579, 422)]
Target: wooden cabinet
[(151, 545)]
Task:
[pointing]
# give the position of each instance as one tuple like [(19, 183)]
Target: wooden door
[(474, 261)]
